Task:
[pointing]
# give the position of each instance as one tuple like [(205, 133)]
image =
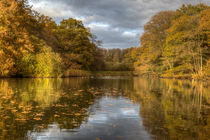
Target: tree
[(75, 39), (99, 60), (152, 41), (204, 29), (42, 64), (184, 50), (16, 20), (176, 43)]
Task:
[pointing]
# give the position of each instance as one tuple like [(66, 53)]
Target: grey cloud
[(124, 15), (116, 37)]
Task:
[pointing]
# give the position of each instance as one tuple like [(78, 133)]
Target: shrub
[(43, 64)]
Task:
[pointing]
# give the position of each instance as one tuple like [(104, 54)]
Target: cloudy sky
[(117, 23)]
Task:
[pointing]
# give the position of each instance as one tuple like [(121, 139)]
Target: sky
[(117, 23)]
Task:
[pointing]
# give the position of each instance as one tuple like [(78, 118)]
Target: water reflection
[(175, 109), (32, 104), (114, 118), (104, 109)]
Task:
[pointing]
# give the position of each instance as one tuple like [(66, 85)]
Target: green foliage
[(111, 73), (74, 39), (43, 64), (118, 60), (76, 73)]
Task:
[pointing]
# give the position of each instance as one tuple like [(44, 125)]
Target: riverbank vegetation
[(174, 44), (33, 45)]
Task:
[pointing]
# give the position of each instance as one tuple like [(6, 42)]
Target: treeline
[(34, 45), (176, 44), (114, 59)]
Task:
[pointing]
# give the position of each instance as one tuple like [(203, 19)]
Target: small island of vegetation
[(174, 44)]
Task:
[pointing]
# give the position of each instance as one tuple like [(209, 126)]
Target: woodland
[(174, 44)]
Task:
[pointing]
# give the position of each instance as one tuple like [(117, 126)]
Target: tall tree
[(75, 39), (184, 50), (153, 39), (176, 43), (15, 19)]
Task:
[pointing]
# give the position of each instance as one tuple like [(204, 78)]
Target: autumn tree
[(176, 43), (152, 41), (204, 29), (75, 42), (14, 35), (185, 50), (26, 35)]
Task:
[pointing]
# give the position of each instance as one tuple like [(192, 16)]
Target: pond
[(107, 108)]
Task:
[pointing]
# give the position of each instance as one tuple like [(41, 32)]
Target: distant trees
[(176, 43), (117, 59)]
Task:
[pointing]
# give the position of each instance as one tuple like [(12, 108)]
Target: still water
[(111, 108)]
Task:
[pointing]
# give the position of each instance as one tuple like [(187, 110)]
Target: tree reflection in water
[(32, 104), (169, 109), (175, 109)]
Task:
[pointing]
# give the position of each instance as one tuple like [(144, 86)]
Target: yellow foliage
[(6, 64)]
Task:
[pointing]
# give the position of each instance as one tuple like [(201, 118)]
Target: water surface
[(108, 108)]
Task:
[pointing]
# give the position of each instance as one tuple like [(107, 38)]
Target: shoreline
[(81, 73), (93, 74)]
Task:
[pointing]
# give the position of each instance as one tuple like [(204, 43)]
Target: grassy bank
[(111, 73), (83, 73), (175, 76)]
